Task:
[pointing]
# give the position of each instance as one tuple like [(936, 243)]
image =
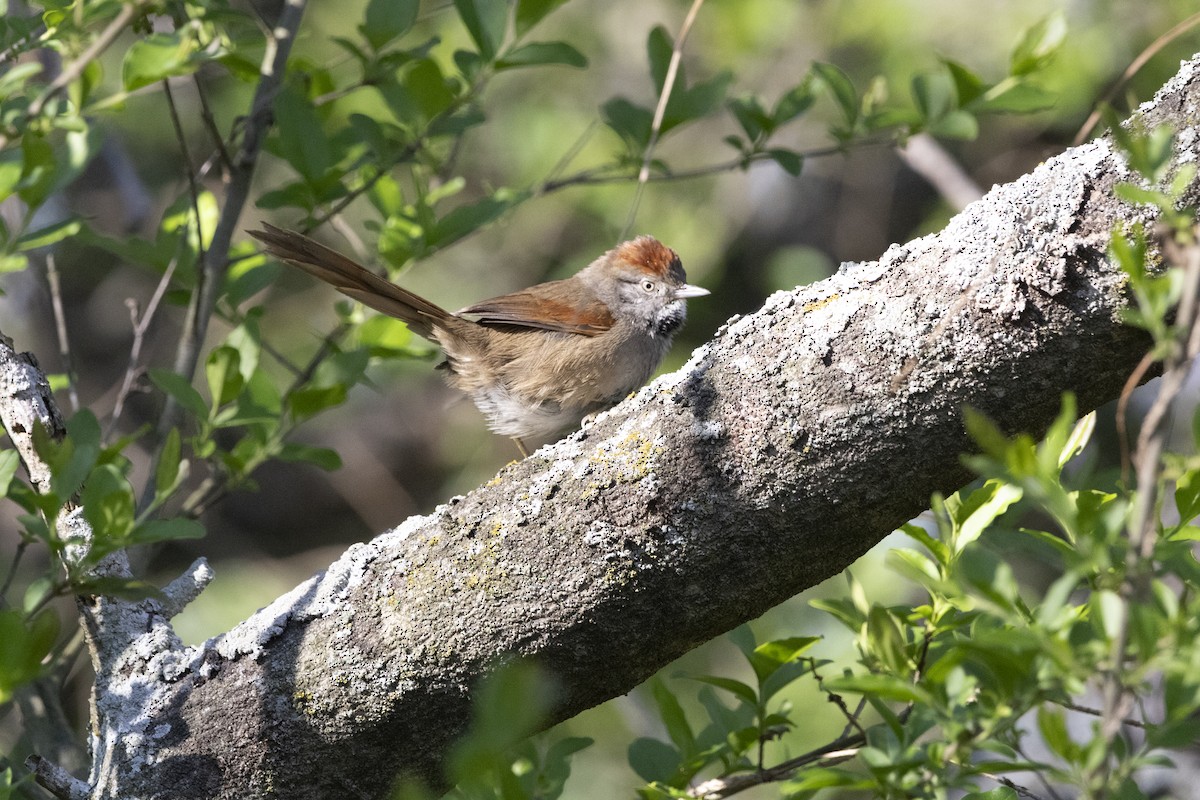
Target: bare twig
[(835, 752), (1020, 790), (925, 156), (56, 780), (852, 722), (60, 330), (616, 174), (1118, 696), (1095, 712), (193, 189), (216, 257), (660, 112), (1135, 380), (1139, 62), (210, 124), (140, 326), (12, 570)]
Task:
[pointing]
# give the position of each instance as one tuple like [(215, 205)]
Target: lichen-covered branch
[(782, 451)]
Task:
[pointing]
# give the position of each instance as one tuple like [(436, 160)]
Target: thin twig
[(925, 156), (852, 722), (1132, 382), (60, 330), (1151, 50), (615, 174), (660, 112), (12, 571), (216, 261), (1020, 790), (210, 124), (573, 151), (1142, 529), (193, 188), (835, 752), (140, 326), (1095, 712)]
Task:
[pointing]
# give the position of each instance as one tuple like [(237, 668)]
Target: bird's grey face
[(657, 304)]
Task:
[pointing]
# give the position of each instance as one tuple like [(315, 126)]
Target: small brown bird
[(537, 361)]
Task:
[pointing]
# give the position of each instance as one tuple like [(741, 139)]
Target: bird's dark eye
[(648, 285)]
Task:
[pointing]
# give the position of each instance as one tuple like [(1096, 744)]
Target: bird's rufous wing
[(543, 308)]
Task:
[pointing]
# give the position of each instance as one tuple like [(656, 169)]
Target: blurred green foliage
[(413, 130)]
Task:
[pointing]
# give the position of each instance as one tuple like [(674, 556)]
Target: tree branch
[(782, 451)]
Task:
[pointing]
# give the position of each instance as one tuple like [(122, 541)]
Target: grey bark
[(784, 449)]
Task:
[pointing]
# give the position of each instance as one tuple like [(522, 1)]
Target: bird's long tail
[(352, 279)]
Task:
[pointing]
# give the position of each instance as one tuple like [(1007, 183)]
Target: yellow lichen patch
[(304, 702), (817, 304)]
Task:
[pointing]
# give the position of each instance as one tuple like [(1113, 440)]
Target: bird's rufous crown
[(648, 253)]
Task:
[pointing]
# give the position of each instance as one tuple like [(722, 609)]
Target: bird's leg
[(521, 446)]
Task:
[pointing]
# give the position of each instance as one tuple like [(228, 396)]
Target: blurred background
[(409, 443)]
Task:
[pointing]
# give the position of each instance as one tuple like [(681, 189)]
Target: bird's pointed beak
[(687, 291)]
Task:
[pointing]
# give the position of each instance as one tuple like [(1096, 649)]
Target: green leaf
[(673, 718), (38, 176), (686, 105), (749, 113), (1187, 495), (384, 336), (302, 141), (72, 460), (735, 687), (26, 644), (542, 54), (177, 387), (170, 466), (531, 12), (125, 588), (322, 457), (9, 462), (1038, 44), (1080, 435), (485, 21), (631, 122), (794, 102), (224, 378), (1016, 97), (956, 125), (467, 219), (51, 234), (840, 87), (770, 656), (999, 793), (1053, 727), (885, 639), (386, 20), (247, 276), (881, 687), (158, 56), (659, 48), (968, 86), (791, 162), (247, 341), (936, 547), (163, 530), (653, 760), (933, 93), (810, 780), (310, 400), (981, 508), (108, 505)]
